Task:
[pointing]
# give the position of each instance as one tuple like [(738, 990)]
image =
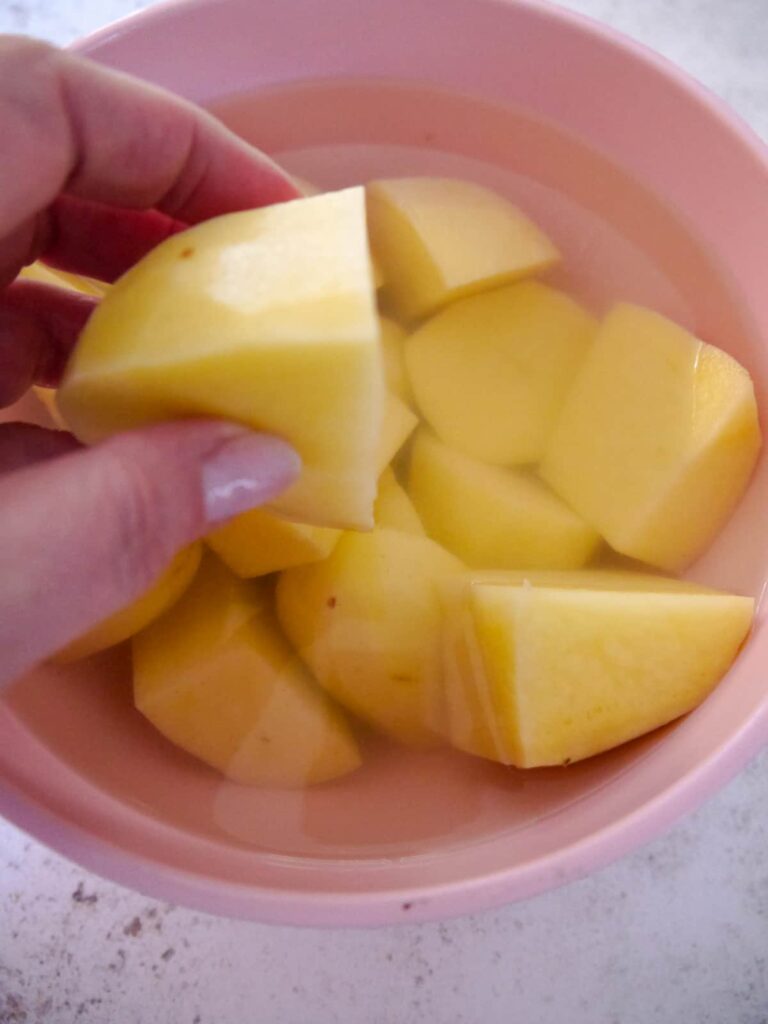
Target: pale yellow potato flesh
[(217, 678), (490, 373), (394, 509), (392, 349), (438, 239), (399, 423), (657, 439), (545, 669), (309, 188), (367, 621), (266, 317), (494, 517), (257, 543)]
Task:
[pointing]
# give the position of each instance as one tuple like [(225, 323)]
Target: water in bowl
[(619, 243)]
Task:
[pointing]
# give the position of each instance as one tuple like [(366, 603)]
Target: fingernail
[(246, 471)]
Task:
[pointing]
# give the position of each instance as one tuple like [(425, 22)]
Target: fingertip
[(246, 471)]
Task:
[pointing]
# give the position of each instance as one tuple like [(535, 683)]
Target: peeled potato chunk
[(367, 623), (657, 439), (217, 678), (266, 317), (438, 239), (491, 372), (549, 668), (309, 188), (492, 517)]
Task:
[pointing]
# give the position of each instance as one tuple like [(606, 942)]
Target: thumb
[(85, 534)]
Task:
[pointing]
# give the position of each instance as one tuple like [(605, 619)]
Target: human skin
[(96, 168)]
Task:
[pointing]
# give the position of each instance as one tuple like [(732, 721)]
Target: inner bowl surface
[(655, 195)]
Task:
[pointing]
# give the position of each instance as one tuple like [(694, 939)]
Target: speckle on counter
[(677, 932)]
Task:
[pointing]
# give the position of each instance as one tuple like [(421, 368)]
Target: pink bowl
[(656, 193)]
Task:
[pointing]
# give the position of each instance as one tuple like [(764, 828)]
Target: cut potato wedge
[(490, 373), (367, 623), (218, 679), (657, 439), (266, 317), (438, 239), (491, 517), (552, 668)]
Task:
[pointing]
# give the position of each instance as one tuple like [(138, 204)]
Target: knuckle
[(30, 70), (33, 111), (191, 172)]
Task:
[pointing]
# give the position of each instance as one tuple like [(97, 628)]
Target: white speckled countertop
[(675, 934)]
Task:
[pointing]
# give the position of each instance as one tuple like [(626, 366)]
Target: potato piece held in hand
[(490, 373), (161, 596), (657, 439), (438, 239), (394, 510), (544, 669), (492, 517), (367, 623), (217, 678), (266, 317)]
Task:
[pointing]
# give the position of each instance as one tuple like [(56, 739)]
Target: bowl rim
[(471, 894)]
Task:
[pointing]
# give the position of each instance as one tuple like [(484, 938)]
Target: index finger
[(69, 125)]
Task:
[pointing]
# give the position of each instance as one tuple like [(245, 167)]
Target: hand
[(96, 169)]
